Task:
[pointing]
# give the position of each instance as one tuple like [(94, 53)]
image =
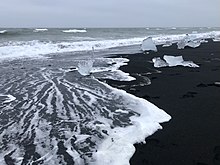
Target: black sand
[(190, 96)]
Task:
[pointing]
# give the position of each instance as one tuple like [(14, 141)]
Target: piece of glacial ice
[(158, 62), (182, 43), (148, 44), (216, 38), (172, 61), (178, 60), (85, 67), (191, 42)]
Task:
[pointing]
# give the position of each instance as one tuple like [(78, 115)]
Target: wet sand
[(190, 95)]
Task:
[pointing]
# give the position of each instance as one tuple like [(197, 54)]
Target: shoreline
[(189, 95)]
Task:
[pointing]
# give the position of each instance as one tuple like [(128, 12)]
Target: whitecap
[(3, 31), (40, 30), (75, 31)]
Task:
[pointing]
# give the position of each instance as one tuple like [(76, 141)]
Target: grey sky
[(109, 13)]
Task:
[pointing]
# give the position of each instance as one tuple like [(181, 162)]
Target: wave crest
[(75, 31)]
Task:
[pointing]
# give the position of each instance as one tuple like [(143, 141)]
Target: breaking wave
[(3, 31), (36, 48), (40, 30), (75, 31)]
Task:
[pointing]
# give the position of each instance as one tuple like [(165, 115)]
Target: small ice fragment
[(158, 62), (216, 38), (182, 43), (194, 43), (85, 67), (148, 44)]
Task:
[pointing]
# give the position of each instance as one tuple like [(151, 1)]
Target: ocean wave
[(40, 30), (75, 31), (36, 49), (3, 31)]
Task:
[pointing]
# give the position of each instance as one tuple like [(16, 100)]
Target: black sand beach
[(190, 95)]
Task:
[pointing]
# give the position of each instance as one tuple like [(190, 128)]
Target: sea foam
[(40, 30), (3, 31), (65, 117), (75, 31)]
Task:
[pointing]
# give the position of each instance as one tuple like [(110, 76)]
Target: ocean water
[(35, 43), (53, 111)]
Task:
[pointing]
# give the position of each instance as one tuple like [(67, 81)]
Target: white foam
[(172, 61), (121, 111), (35, 49), (75, 31), (118, 148), (3, 31), (8, 98), (40, 30), (148, 44), (111, 71)]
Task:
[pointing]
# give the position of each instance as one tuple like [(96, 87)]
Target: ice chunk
[(216, 38), (194, 44), (85, 67), (182, 43), (148, 44), (158, 62), (172, 61), (190, 41), (178, 60)]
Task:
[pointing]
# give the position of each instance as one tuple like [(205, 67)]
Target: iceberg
[(172, 61), (148, 44)]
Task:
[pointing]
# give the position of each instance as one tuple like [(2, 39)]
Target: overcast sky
[(109, 13)]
